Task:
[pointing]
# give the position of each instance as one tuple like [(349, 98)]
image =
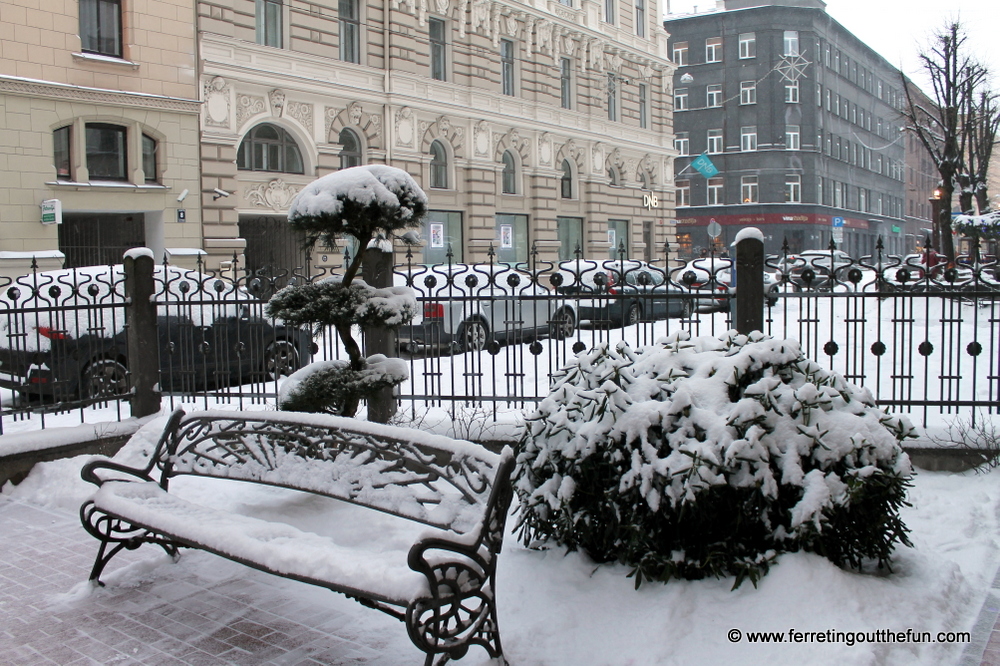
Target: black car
[(62, 334), (620, 293)]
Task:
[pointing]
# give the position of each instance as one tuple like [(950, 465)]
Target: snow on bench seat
[(277, 547)]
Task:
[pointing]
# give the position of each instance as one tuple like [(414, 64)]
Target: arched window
[(269, 148), (439, 165), (350, 151), (509, 182), (566, 182)]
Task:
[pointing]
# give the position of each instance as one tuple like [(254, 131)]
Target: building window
[(566, 82), (269, 28), (350, 31), (566, 182), (792, 92), (439, 60), (618, 239), (748, 45), (713, 49), (612, 97), (748, 138), (570, 233), (819, 190), (713, 95), (350, 149), (439, 166), (715, 191), (149, 146), (643, 106), (680, 99), (640, 18), (682, 143), (508, 183), (838, 195), (507, 66), (683, 193), (863, 200), (748, 92), (101, 27), (793, 189), (791, 42), (714, 141), (748, 189), (681, 53), (609, 11), (819, 95), (106, 152), (269, 148), (792, 137), (61, 154), (443, 237)]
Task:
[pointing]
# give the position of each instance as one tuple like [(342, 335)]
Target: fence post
[(140, 332), (376, 269), (749, 280)]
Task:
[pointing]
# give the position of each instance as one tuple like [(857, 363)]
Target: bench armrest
[(90, 471)]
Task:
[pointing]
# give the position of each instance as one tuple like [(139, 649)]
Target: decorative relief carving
[(545, 149), (463, 7), (597, 158), (276, 194), (302, 113), (481, 139), (217, 94), (277, 98), (376, 124), (422, 13), (566, 13), (481, 15), (248, 106), (442, 6), (404, 127), (354, 112), (495, 26), (614, 61), (511, 25)]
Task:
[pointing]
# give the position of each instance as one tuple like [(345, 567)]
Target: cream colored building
[(536, 124), (99, 110)]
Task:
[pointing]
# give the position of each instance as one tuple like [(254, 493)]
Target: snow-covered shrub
[(371, 204), (708, 457)]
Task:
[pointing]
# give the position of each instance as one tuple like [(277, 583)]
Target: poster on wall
[(437, 235), (611, 237), (506, 236)]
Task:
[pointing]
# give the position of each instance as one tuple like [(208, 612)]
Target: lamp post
[(935, 201)]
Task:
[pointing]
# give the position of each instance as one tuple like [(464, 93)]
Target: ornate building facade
[(538, 125)]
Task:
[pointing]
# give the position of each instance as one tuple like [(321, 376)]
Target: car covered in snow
[(620, 292), (62, 334), (469, 306)]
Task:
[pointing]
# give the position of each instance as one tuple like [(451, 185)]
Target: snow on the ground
[(561, 609)]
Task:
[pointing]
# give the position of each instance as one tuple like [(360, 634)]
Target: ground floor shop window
[(442, 235), (570, 232), (511, 244), (618, 239)]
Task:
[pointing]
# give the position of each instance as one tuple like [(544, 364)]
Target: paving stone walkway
[(206, 614)]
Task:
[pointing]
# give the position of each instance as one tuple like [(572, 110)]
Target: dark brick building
[(802, 121)]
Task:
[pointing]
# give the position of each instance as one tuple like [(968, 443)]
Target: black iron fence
[(922, 337)]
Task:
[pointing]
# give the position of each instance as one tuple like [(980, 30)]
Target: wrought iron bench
[(443, 592)]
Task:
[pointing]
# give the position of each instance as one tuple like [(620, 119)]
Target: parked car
[(468, 306), (621, 292), (713, 276), (62, 334), (816, 269)]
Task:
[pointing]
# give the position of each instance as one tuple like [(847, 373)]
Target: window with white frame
[(819, 190), (682, 143), (713, 49), (640, 18), (714, 142), (748, 45), (439, 165), (680, 99), (612, 97), (748, 92), (793, 188), (350, 149), (792, 137), (268, 147), (350, 31), (748, 189), (507, 66), (509, 177), (609, 11), (643, 90), (713, 95), (101, 27), (792, 92), (681, 53), (269, 22), (715, 191), (439, 49), (748, 138), (683, 193), (566, 83), (791, 42), (566, 181)]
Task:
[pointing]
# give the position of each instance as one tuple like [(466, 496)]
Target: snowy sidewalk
[(207, 612)]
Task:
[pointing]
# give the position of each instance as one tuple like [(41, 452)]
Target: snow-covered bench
[(443, 591)]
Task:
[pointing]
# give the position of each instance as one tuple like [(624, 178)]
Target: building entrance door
[(100, 239)]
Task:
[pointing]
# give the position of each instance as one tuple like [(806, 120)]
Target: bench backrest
[(435, 480)]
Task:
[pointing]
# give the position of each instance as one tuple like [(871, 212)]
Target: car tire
[(104, 378), (281, 358), (563, 324), (472, 335), (633, 315), (687, 308), (772, 300)]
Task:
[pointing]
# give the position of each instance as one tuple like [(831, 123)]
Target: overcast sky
[(899, 29)]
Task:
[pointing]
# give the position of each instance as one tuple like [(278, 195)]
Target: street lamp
[(935, 201)]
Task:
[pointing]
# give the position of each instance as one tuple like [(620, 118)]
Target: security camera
[(220, 193), (182, 195)]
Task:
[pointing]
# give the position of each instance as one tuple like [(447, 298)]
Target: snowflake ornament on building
[(792, 67)]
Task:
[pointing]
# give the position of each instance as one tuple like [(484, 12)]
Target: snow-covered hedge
[(985, 226), (329, 302), (325, 386), (708, 457)]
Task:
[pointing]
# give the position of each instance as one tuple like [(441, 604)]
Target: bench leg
[(116, 535)]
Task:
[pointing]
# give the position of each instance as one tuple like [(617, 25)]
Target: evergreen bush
[(708, 457)]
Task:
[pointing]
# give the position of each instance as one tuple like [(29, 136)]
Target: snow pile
[(708, 456)]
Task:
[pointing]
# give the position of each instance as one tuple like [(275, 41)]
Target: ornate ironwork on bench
[(444, 592)]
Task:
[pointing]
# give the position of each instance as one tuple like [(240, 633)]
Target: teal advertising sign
[(704, 166)]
